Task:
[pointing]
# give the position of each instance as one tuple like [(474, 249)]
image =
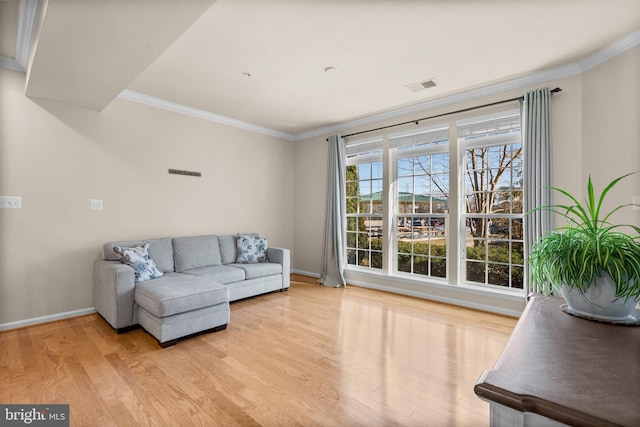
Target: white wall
[(58, 157)]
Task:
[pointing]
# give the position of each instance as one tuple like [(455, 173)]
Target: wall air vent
[(417, 87), (187, 173)]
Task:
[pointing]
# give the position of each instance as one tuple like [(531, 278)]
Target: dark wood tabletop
[(576, 371)]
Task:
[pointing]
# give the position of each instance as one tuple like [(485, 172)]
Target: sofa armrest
[(281, 256), (113, 288)]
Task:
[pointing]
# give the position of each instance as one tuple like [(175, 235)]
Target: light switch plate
[(10, 202), (95, 204)]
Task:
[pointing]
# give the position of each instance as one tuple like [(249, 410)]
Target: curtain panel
[(538, 169), (333, 258)]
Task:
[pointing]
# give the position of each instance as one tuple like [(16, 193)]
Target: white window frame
[(456, 213), (365, 150), (397, 152), (463, 146)]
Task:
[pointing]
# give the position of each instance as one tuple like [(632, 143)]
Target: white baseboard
[(425, 295), (306, 273), (45, 319), (431, 297)]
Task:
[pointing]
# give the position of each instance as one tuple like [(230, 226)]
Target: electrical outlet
[(95, 204), (9, 202)]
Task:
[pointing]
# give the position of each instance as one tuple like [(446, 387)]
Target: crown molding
[(10, 64), (616, 48), (201, 114), (27, 19), (619, 46), (28, 13), (456, 98)]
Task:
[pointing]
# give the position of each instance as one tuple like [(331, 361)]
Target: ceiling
[(262, 62)]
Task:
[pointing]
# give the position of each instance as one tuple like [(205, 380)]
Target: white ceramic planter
[(599, 301)]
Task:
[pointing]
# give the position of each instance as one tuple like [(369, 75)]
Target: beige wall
[(611, 128), (58, 157)]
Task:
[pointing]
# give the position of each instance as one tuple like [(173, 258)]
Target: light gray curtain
[(538, 168), (334, 230)]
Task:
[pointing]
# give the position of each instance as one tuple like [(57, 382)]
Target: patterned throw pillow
[(251, 249), (143, 266)]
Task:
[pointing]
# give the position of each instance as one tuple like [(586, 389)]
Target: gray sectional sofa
[(200, 276)]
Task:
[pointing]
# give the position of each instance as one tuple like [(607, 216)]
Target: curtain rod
[(416, 121)]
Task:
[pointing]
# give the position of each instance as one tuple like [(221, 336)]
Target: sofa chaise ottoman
[(196, 278)]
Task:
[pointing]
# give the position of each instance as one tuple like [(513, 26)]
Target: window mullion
[(456, 205), (388, 206)]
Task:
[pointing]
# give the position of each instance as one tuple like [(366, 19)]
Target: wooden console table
[(559, 369)]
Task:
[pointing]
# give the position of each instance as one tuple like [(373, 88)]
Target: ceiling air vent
[(417, 87)]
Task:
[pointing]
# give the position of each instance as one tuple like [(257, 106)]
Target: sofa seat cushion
[(178, 293), (220, 273), (261, 269)]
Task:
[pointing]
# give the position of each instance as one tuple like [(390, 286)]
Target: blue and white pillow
[(251, 249), (138, 258)]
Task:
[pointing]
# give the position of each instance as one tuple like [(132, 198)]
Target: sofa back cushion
[(195, 252), (160, 251), (228, 250)]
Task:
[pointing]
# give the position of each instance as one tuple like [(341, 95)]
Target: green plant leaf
[(587, 246)]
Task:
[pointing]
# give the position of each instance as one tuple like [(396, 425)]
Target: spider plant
[(578, 253)]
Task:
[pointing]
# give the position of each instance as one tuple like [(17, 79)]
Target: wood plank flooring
[(312, 356)]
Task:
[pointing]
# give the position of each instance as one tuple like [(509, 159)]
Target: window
[(421, 199), (492, 215), (364, 204), (455, 211)]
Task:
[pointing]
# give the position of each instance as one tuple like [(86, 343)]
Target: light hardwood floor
[(310, 356)]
